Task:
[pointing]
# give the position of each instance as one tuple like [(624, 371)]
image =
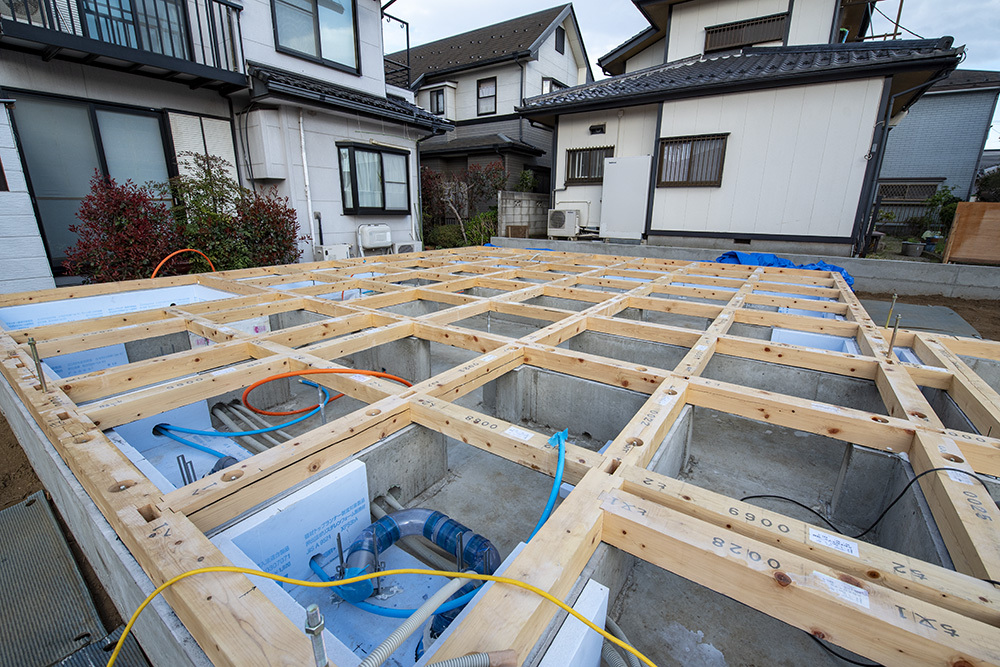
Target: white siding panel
[(648, 57), (689, 20), (812, 21), (794, 164)]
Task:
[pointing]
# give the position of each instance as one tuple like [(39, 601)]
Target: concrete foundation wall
[(870, 275)]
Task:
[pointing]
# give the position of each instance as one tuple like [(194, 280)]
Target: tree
[(988, 186), (462, 193)]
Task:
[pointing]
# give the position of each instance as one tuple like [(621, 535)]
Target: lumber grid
[(883, 605)]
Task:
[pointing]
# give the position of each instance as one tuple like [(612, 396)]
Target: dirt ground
[(17, 479), (982, 314)]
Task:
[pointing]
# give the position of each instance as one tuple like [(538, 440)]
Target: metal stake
[(459, 555), (895, 330), (38, 363), (891, 308), (340, 551), (314, 628)]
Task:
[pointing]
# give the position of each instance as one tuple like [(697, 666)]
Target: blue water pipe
[(203, 448), (556, 440)]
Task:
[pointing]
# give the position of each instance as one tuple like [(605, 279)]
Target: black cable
[(843, 657), (906, 488), (893, 21), (794, 502)]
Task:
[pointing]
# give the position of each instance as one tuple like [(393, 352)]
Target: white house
[(290, 93), (476, 80), (737, 124)]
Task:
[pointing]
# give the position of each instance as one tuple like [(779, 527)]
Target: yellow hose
[(340, 582)]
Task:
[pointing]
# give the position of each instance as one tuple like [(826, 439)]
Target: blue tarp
[(767, 259)]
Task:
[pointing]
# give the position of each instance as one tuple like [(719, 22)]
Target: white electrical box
[(564, 222), (407, 246), (266, 144), (375, 236), (626, 187), (326, 253)]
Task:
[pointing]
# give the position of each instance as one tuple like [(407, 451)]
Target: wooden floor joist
[(887, 606)]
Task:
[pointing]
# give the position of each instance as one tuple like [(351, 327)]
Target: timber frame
[(870, 602)]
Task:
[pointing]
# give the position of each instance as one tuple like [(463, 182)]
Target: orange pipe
[(311, 371), (177, 252)]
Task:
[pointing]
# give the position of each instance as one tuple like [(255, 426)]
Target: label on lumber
[(844, 591), (834, 542), (518, 433), (959, 477)]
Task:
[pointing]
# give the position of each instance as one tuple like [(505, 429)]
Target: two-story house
[(292, 94), (737, 124), (477, 78)]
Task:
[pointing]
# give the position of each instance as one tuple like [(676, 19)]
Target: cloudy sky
[(608, 23)]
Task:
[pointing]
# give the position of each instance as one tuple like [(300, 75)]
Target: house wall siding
[(941, 137), (794, 162), (632, 131), (23, 264), (688, 21), (259, 45), (322, 132), (811, 22), (567, 67), (648, 57)]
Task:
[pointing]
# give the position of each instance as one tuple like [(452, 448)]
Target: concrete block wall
[(523, 209), (870, 275)]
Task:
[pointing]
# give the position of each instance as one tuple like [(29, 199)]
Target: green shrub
[(526, 181), (988, 187), (445, 236), (481, 227)]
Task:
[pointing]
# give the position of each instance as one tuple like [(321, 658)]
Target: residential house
[(939, 143), (734, 124), (293, 95), (478, 78)]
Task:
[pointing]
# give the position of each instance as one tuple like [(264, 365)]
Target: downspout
[(520, 121), (305, 176), (653, 172)]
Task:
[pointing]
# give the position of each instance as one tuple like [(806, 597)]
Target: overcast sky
[(607, 23)]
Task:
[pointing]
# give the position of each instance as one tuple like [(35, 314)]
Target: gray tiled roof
[(964, 79), (481, 142), (394, 108), (470, 49), (751, 67)]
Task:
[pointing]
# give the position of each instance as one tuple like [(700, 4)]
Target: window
[(374, 180), (911, 192), (550, 85), (486, 102), (560, 39), (745, 33), (3, 180), (586, 165), (321, 30), (437, 102), (692, 161)]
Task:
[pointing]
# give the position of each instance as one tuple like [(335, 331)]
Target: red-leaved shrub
[(123, 233)]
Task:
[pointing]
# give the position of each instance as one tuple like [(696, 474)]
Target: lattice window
[(907, 192), (745, 33), (586, 165)]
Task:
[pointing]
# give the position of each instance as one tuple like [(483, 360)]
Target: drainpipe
[(305, 176), (520, 121)]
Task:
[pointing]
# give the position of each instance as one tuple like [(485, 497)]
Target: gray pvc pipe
[(613, 628), (611, 656), (471, 660)]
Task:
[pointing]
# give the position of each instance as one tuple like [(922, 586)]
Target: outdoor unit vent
[(409, 246), (326, 253), (374, 236), (563, 222)]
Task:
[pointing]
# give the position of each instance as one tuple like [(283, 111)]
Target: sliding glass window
[(323, 30)]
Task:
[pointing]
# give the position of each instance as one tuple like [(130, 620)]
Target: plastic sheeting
[(767, 259)]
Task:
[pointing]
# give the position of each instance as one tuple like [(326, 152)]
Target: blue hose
[(558, 439), (389, 611), (203, 448), (181, 429)]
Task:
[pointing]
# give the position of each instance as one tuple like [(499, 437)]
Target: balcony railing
[(155, 33), (746, 33)]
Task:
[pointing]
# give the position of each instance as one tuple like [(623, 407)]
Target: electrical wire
[(560, 440), (888, 507), (177, 252), (893, 21), (311, 371), (364, 577), (842, 657)]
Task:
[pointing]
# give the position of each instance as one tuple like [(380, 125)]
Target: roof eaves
[(625, 46), (566, 11)]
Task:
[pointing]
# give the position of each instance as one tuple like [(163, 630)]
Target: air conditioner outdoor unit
[(564, 222), (374, 236), (408, 246), (326, 253)]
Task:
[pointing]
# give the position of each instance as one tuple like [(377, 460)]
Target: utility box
[(374, 236), (626, 187), (265, 145), (326, 253)]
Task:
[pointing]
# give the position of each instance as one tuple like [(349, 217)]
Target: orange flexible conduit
[(312, 371), (177, 252)]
